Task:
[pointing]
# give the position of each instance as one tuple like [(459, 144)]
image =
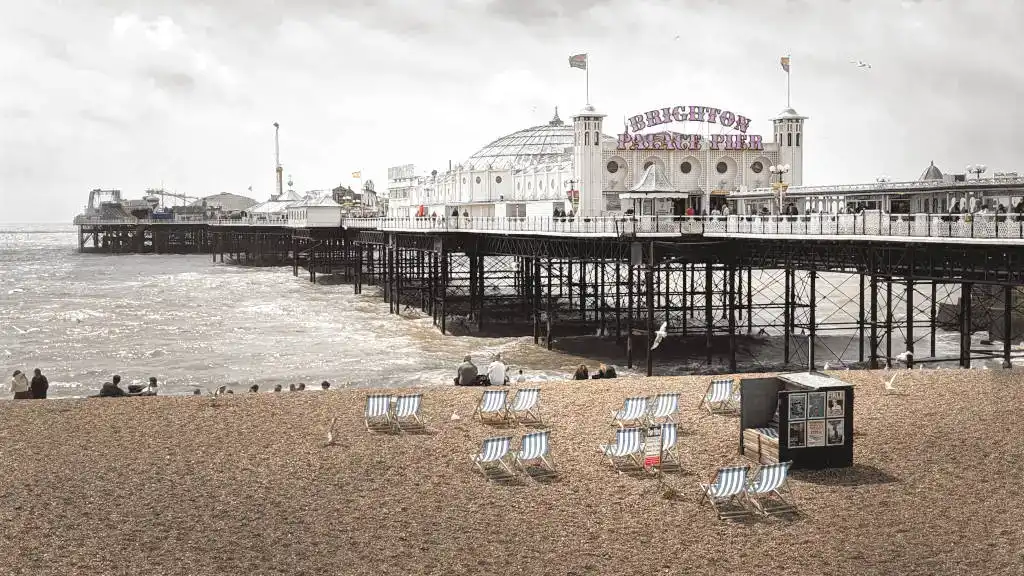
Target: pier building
[(664, 161)]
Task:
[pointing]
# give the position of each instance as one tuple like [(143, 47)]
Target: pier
[(715, 281)]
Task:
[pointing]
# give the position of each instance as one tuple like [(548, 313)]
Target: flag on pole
[(578, 61), (785, 63), (357, 174)]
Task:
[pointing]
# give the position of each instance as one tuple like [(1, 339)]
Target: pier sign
[(667, 140)]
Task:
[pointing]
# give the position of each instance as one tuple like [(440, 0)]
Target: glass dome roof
[(537, 145)]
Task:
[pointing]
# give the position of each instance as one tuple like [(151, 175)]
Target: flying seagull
[(889, 387), (860, 63), (660, 335)]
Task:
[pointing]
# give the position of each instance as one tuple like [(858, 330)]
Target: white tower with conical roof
[(587, 169), (789, 133)]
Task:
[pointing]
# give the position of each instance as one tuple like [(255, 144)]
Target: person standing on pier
[(497, 372), (39, 385), (19, 386)]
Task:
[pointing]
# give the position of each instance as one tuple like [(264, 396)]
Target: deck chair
[(378, 413), (765, 492), (669, 447), (664, 408), (718, 398), (727, 486), (525, 406), (492, 461), (493, 406), (406, 416), (633, 411), (627, 451), (535, 449)]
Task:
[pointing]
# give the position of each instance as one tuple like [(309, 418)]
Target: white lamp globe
[(785, 168), (982, 168), (772, 169)]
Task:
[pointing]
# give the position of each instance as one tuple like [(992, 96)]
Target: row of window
[(686, 167)]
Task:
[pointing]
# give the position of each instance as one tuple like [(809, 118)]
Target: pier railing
[(866, 224)]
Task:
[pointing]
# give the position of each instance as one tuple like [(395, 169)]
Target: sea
[(197, 325)]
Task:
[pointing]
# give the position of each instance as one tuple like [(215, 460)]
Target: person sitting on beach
[(325, 385), (152, 386), (466, 373), (301, 386), (277, 388), (496, 372), (291, 387), (20, 386), (520, 379), (254, 389), (581, 373), (39, 385), (604, 371), (111, 389)]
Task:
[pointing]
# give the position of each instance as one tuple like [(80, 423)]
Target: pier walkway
[(868, 226)]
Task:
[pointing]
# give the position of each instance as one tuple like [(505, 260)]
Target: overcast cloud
[(137, 94)]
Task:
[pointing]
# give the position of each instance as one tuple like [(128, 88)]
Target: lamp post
[(573, 194), (977, 170), (780, 186)]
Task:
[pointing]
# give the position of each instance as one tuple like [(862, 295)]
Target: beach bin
[(805, 418)]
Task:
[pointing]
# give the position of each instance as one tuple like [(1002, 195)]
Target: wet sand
[(244, 484)]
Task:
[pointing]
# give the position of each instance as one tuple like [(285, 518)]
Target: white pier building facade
[(665, 161)]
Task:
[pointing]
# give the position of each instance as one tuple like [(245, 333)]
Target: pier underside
[(728, 304)]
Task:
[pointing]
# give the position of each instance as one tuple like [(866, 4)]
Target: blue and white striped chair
[(406, 415), (492, 461), (664, 408), (493, 406), (765, 490), (627, 451), (727, 486), (633, 412), (534, 456), (525, 406), (719, 397), (377, 414), (668, 446)]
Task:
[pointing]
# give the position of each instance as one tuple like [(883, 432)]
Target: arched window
[(797, 138), (586, 138), (596, 139), (789, 139)]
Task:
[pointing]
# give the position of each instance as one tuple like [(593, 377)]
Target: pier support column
[(910, 322), (965, 324), (548, 311), (649, 272), (860, 318), (1007, 324), (618, 301), (443, 287), (629, 315), (750, 301), (480, 295), (874, 323), (709, 317), (888, 322), (536, 300), (932, 320), (787, 313), (811, 319), (732, 317), (685, 297)]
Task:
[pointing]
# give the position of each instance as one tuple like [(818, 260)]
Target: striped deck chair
[(535, 448), (718, 398), (664, 408), (406, 415), (377, 414), (727, 486), (525, 406), (492, 461), (628, 450), (493, 406), (669, 447), (765, 490), (633, 411)]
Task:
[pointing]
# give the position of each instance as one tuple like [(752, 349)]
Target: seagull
[(889, 385), (677, 36), (906, 357), (860, 63), (455, 416), (220, 391), (330, 431), (826, 366), (660, 335)]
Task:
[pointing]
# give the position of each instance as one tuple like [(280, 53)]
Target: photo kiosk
[(805, 418)]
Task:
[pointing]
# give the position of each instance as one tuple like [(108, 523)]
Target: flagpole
[(587, 70), (788, 68)]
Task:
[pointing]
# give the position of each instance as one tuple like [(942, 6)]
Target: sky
[(183, 94)]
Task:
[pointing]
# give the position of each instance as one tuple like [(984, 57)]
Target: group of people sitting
[(113, 388), (255, 388), (25, 390), (496, 374), (603, 371)]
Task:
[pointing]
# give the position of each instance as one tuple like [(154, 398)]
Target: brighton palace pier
[(861, 275)]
